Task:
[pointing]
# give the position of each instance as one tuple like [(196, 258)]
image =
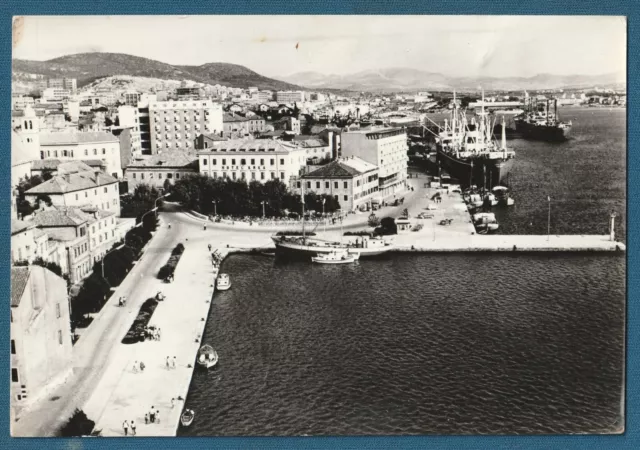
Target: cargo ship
[(467, 149), (542, 124)]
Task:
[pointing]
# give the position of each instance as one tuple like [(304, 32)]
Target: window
[(262, 175), (243, 162), (233, 162), (308, 184), (224, 161), (86, 194), (335, 184), (95, 151), (76, 196), (159, 176), (13, 347), (204, 162), (214, 162), (169, 175), (58, 310), (242, 175), (281, 161), (273, 175), (346, 184), (336, 197), (326, 185), (253, 162), (272, 161), (233, 175), (95, 192), (14, 375), (262, 162), (133, 175), (253, 175), (206, 145), (60, 337), (177, 175), (298, 185), (282, 175), (104, 152), (142, 176), (317, 185), (346, 197), (105, 190)]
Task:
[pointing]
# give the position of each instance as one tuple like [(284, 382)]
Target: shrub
[(373, 221), (170, 267), (179, 250), (387, 227), (78, 425)]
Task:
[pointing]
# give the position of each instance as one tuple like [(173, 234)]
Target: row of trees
[(237, 198)]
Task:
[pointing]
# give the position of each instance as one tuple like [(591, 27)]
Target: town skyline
[(482, 46)]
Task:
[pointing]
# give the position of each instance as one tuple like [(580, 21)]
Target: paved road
[(93, 351)]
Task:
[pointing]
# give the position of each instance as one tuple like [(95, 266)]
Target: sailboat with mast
[(304, 246), (468, 151)]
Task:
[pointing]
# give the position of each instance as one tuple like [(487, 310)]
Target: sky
[(497, 46)]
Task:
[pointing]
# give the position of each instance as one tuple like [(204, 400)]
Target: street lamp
[(264, 202), (215, 207)]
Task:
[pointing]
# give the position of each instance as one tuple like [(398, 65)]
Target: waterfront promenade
[(127, 394)]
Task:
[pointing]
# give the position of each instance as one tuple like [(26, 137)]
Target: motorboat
[(223, 283), (187, 417), (503, 196), (341, 257), (367, 246), (485, 222), (207, 357)]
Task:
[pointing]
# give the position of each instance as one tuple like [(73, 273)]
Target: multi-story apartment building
[(157, 169), (83, 145), (40, 330), (70, 84), (175, 124), (81, 188), (262, 96), (86, 233), (252, 159), (384, 147), (55, 94), (21, 102), (352, 181), (131, 98), (290, 96), (237, 125), (129, 117)]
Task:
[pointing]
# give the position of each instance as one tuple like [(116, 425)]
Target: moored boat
[(187, 417), (485, 222), (370, 246), (503, 196), (223, 282), (207, 356), (336, 257)]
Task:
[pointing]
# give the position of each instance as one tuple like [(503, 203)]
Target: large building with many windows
[(252, 159), (352, 181), (157, 169), (83, 145), (290, 96), (175, 124), (384, 147), (80, 187)]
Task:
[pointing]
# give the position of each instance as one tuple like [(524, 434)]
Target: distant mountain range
[(88, 67), (405, 79)]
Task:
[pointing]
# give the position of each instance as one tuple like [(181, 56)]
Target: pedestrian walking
[(157, 418), (209, 247), (125, 427), (146, 418), (142, 366), (173, 362), (152, 415), (173, 402), (133, 428), (168, 367), (159, 334), (135, 367)]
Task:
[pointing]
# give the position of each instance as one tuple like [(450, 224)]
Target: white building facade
[(175, 124)]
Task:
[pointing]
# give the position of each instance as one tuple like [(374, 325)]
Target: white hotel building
[(175, 124), (383, 147), (252, 159)]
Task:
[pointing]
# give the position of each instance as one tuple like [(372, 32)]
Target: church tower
[(29, 131)]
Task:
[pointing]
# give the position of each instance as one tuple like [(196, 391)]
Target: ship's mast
[(504, 139), (302, 199)]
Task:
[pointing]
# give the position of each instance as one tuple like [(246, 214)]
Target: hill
[(88, 67), (406, 79)]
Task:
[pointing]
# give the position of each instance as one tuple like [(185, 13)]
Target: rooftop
[(169, 159), (70, 182), (18, 226), (69, 216), (249, 145), (66, 138), (342, 168), (19, 280), (55, 164)]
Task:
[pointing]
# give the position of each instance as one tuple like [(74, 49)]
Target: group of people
[(126, 426), (138, 366), (122, 301), (152, 333), (153, 416), (170, 363), (169, 278)]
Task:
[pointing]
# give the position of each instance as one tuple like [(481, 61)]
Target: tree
[(78, 425), (47, 174), (387, 227), (373, 220)]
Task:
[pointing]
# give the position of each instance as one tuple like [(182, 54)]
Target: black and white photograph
[(298, 225)]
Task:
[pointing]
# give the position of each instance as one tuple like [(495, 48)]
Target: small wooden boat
[(224, 282), (207, 356), (343, 257), (187, 417), (485, 222)]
